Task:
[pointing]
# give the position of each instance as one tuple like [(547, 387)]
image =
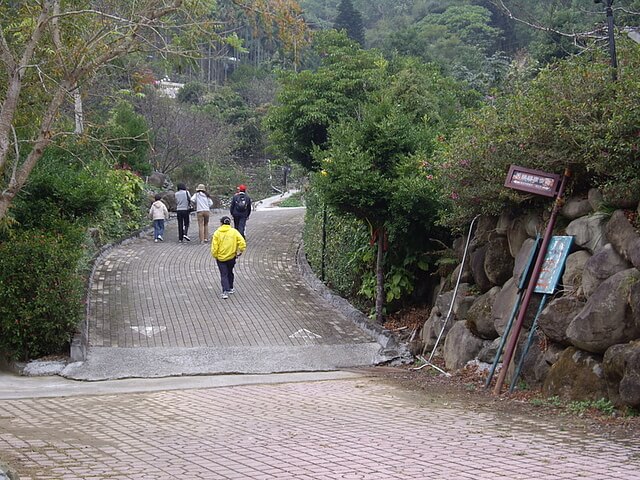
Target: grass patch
[(295, 200)]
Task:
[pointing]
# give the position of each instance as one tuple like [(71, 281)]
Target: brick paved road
[(155, 310), (168, 294), (357, 428)]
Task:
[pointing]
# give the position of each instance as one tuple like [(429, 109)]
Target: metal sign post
[(514, 311), (552, 268), (543, 183)]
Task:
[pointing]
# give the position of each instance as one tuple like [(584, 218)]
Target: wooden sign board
[(554, 260), (532, 181)]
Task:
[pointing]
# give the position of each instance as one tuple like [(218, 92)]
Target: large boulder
[(573, 271), (465, 277), (557, 316), (630, 383), (634, 302), (589, 232), (533, 224), (523, 258), (504, 220), (169, 199), (624, 237), (607, 318), (516, 235), (533, 367), (576, 375), (503, 307), (488, 352), (460, 346), (485, 229), (479, 319), (576, 207), (622, 372), (553, 352), (605, 263), (157, 179), (498, 263), (435, 324), (595, 199), (477, 261)]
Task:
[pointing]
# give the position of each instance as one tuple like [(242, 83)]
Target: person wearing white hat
[(202, 200)]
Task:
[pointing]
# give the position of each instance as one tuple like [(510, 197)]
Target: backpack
[(241, 202)]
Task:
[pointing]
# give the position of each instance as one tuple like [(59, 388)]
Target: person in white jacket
[(203, 203), (158, 213)]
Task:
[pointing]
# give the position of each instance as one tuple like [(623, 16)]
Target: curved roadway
[(155, 309)]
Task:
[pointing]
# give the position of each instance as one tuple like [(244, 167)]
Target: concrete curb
[(6, 473), (392, 351), (80, 341)]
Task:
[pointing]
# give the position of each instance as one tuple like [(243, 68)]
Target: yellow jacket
[(226, 243)]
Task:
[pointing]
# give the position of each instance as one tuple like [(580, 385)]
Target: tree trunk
[(17, 181), (380, 277), (79, 114)]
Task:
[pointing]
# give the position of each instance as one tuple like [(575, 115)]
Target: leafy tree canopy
[(310, 101), (572, 115), (350, 20), (377, 166)]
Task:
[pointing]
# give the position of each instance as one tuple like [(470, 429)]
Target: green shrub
[(294, 200), (40, 306), (346, 251), (61, 186), (191, 92), (572, 115), (124, 210), (128, 138)]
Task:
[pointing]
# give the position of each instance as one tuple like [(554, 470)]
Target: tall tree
[(50, 48), (309, 102), (350, 20)]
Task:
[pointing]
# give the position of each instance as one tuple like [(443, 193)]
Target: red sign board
[(532, 181)]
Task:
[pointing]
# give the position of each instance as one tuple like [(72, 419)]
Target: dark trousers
[(183, 223), (239, 222), (226, 274)]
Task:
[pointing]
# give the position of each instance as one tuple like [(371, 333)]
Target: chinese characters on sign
[(554, 259), (532, 181)]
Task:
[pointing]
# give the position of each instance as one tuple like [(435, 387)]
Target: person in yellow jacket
[(226, 245)]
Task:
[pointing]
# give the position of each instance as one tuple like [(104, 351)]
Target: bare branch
[(596, 34), (14, 86), (5, 53)]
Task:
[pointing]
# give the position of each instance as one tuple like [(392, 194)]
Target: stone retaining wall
[(587, 345)]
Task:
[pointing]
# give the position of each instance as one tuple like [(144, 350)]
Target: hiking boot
[(224, 295)]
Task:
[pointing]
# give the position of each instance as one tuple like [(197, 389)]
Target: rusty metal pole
[(515, 333)]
